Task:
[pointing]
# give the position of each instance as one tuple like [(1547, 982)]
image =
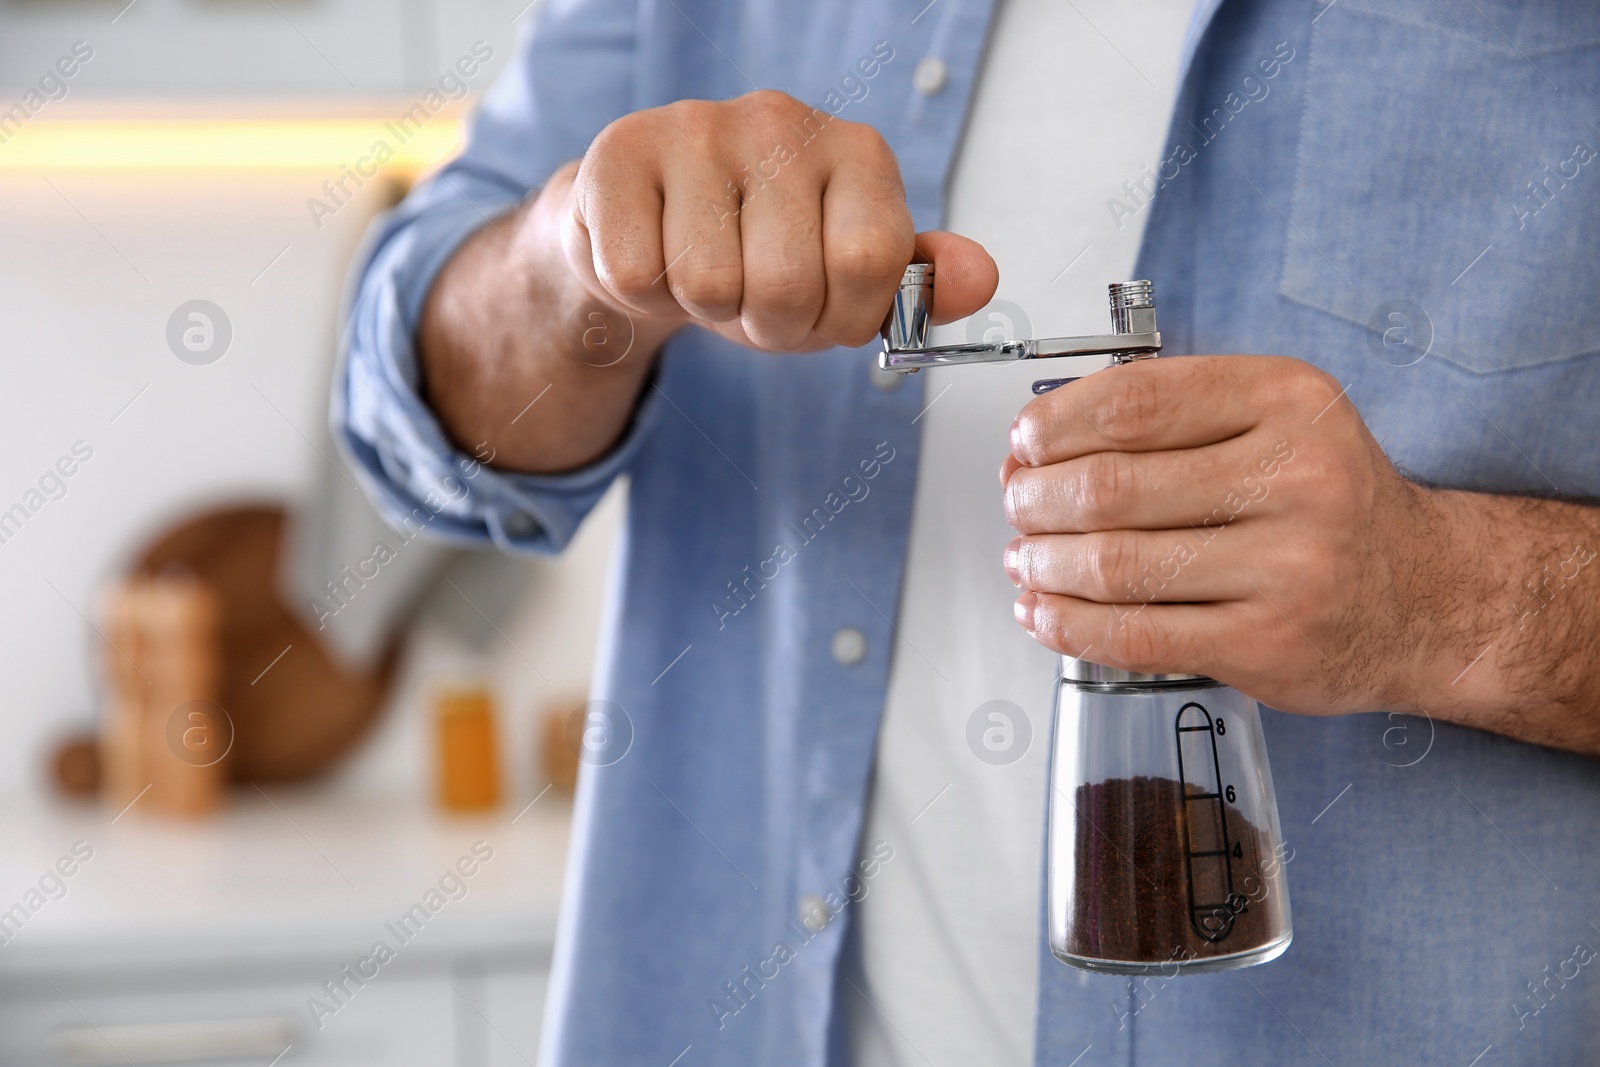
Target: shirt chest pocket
[(1481, 202)]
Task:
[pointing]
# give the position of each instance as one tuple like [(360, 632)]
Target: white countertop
[(298, 876)]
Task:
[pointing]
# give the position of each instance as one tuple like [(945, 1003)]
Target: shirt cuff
[(420, 481)]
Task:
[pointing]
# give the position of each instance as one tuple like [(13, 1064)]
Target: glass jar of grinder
[(1164, 852)]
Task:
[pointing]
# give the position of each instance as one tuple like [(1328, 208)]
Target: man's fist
[(766, 220)]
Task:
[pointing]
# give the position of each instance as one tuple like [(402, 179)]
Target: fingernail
[(1016, 437), (1013, 560), (1006, 499), (1024, 608)]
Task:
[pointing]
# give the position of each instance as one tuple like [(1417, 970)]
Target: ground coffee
[(1132, 900)]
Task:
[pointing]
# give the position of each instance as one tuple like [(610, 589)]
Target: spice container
[(468, 754), (1164, 848), (164, 737)]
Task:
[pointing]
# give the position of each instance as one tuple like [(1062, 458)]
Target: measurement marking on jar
[(1213, 921)]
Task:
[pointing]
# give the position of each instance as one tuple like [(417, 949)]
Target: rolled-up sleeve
[(573, 75)]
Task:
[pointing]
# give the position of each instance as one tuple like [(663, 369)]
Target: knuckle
[(1322, 484), (693, 114), (700, 140), (622, 139), (1130, 413), (606, 142), (1105, 486), (851, 333), (1113, 561), (789, 293), (1312, 470), (868, 145), (703, 130), (629, 276), (1133, 641), (1313, 387), (769, 106), (710, 289), (865, 261), (1318, 573)]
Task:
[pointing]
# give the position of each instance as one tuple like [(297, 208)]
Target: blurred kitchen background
[(212, 813)]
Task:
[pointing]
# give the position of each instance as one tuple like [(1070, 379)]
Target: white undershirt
[(949, 928)]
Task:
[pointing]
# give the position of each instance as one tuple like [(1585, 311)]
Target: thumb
[(964, 275)]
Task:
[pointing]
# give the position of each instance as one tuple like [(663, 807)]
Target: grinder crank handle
[(905, 333)]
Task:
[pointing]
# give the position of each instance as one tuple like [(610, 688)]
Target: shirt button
[(930, 75), (520, 524), (886, 381), (814, 914), (849, 645)]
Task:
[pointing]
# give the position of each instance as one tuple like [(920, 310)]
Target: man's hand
[(768, 221), (762, 218), (1232, 516)]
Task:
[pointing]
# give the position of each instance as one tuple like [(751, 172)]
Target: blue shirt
[(1410, 203)]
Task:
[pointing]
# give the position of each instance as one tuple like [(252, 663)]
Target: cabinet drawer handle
[(173, 1042)]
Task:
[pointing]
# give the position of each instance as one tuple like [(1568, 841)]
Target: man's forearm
[(519, 362), (1510, 599)]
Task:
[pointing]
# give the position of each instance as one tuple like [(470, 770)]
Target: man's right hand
[(759, 218), (763, 219)]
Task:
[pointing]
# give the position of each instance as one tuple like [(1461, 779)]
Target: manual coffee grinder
[(1164, 851)]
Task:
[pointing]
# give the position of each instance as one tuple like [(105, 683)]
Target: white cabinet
[(515, 1005), (325, 48), (393, 1022), (172, 940), (471, 1016)]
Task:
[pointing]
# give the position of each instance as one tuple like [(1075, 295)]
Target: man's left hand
[(1223, 515)]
